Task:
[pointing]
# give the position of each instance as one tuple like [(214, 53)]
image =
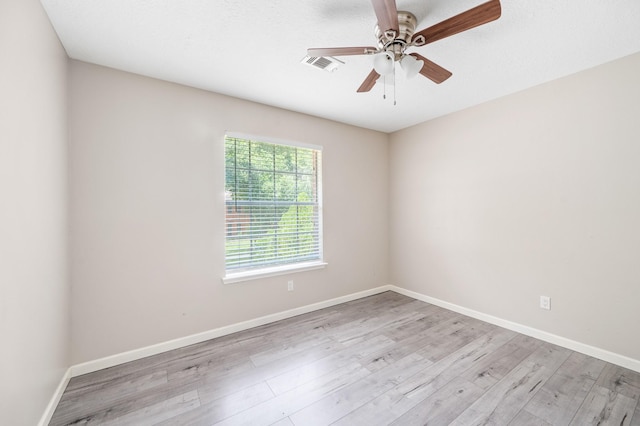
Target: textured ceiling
[(252, 49)]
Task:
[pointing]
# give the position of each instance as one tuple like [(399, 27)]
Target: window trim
[(271, 140), (236, 277), (269, 271)]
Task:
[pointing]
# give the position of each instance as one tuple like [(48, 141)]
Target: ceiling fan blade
[(369, 82), (387, 14), (341, 51), (431, 70), (472, 18)]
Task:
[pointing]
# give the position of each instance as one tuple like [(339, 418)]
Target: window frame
[(231, 275)]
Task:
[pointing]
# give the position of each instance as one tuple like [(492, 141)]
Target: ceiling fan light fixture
[(411, 66), (383, 63)]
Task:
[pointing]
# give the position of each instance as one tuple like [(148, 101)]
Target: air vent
[(327, 63)]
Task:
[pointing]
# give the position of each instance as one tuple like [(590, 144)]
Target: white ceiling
[(251, 49)]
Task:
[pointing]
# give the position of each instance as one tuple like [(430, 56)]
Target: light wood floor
[(384, 359)]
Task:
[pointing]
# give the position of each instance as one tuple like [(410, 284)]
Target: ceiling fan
[(395, 34)]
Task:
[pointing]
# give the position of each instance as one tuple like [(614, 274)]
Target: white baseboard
[(113, 360), (55, 399), (612, 357), (110, 361)]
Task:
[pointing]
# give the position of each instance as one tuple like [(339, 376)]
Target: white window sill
[(271, 272)]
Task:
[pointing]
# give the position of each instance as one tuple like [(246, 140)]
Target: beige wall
[(147, 211), (537, 193), (34, 290)]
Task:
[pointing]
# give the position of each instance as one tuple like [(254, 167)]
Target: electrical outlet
[(290, 286), (545, 302)]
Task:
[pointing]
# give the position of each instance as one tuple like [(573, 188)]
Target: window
[(273, 206)]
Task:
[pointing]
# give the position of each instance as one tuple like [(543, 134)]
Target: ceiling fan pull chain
[(384, 87), (394, 84)]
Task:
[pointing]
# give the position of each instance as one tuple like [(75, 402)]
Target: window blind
[(272, 195)]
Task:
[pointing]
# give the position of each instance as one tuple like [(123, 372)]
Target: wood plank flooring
[(382, 360)]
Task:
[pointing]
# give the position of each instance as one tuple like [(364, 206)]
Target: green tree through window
[(272, 197)]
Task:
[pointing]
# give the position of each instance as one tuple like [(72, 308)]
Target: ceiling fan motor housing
[(396, 43)]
